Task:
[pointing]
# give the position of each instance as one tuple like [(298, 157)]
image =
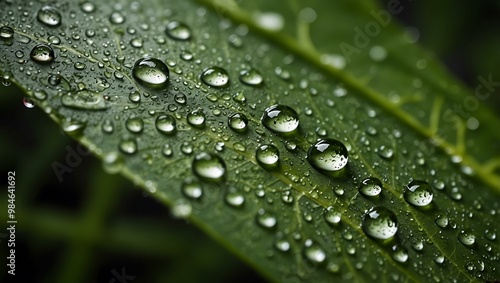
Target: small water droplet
[(313, 252), (215, 77), (466, 238), (266, 219), (238, 122), (370, 187), (42, 53), (186, 55), (151, 73), (87, 7), (167, 150), (328, 154), (128, 146), (73, 128), (282, 245), (280, 119), (385, 152), (192, 189), (178, 31), (332, 216), (136, 42), (442, 221), (400, 253), (49, 15), (235, 198), (116, 18), (134, 124), (40, 95), (417, 245), (166, 124), (251, 77), (267, 156), (490, 234), (196, 118), (180, 98), (209, 167), (380, 223), (6, 32), (107, 126), (181, 209), (418, 193), (84, 99), (112, 162), (28, 103)]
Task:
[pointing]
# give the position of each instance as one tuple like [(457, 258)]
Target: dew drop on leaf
[(196, 118), (385, 152), (282, 245), (42, 53), (73, 127), (107, 126), (87, 7), (328, 154), (128, 146), (166, 150), (134, 124), (151, 73), (116, 18), (182, 209), (380, 223), (235, 199), (84, 99), (442, 221), (399, 253), (192, 189), (466, 238), (6, 32), (313, 252), (49, 16), (266, 219), (215, 77), (112, 162), (251, 77), (238, 122), (332, 216), (418, 193), (28, 103), (209, 167), (178, 31), (267, 156), (370, 187), (280, 119), (165, 124)]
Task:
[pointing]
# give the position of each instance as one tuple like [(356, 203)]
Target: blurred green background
[(94, 227)]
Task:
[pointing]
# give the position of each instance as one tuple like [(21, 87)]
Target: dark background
[(69, 232)]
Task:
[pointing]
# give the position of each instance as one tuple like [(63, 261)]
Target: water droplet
[(238, 122), (166, 124), (280, 119), (128, 146), (332, 216), (400, 253), (49, 16), (6, 32), (167, 150), (251, 77), (186, 55), (385, 152), (112, 162), (268, 156), (490, 234), (442, 221), (84, 99), (215, 76), (136, 42), (380, 223), (418, 193), (178, 31), (417, 245), (209, 167), (87, 7), (73, 128), (151, 73), (116, 18), (186, 148), (196, 118), (107, 126), (313, 252), (40, 94), (439, 259), (28, 103), (370, 187), (266, 219), (134, 125), (181, 209), (192, 189), (466, 238), (328, 154), (180, 98), (235, 198), (42, 53), (282, 245)]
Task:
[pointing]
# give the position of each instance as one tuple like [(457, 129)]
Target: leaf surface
[(387, 104)]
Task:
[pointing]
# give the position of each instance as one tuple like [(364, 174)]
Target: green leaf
[(193, 137)]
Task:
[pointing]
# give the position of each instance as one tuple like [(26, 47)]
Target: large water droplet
[(400, 253), (49, 16), (313, 252), (268, 156), (251, 77), (116, 18), (166, 124), (418, 193), (151, 73), (235, 198), (328, 154), (266, 219), (280, 119), (87, 7), (442, 221), (238, 122), (380, 223), (332, 216), (192, 189), (84, 99), (134, 124), (196, 118), (215, 76), (128, 146), (42, 53), (370, 187), (466, 238), (6, 32), (209, 167), (178, 31), (282, 245)]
